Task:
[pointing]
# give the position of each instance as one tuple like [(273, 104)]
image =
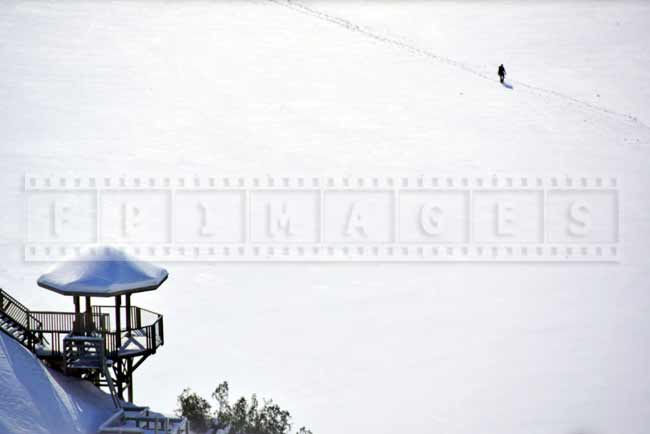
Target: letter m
[(278, 219)]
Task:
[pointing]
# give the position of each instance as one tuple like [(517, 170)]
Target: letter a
[(355, 222)]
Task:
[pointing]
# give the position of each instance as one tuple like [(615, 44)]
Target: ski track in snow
[(349, 25)]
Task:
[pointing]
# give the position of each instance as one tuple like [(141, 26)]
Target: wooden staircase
[(86, 354), (143, 421), (91, 353), (81, 354), (17, 322)]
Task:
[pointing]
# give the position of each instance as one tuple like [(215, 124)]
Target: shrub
[(245, 416), (196, 409)]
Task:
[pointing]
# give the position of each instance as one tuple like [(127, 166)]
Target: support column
[(118, 321), (128, 314), (76, 325), (129, 366), (129, 361), (89, 317), (118, 344)]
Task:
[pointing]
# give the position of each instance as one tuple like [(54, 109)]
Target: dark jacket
[(502, 71)]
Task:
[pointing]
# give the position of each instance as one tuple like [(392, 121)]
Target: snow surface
[(37, 400), (261, 87), (102, 272)]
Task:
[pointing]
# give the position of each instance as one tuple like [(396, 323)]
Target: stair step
[(10, 307)]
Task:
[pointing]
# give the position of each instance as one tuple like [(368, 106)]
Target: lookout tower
[(102, 343), (126, 339)]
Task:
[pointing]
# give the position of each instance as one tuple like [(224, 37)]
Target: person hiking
[(502, 73)]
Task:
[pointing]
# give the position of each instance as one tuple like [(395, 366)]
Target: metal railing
[(55, 326), (150, 336), (69, 321), (49, 328), (139, 317), (23, 318), (145, 326), (119, 423)]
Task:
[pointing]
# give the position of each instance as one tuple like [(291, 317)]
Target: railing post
[(162, 332), (118, 344), (28, 333), (128, 314), (118, 322), (89, 317), (153, 338)]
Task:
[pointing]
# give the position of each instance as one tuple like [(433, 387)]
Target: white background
[(256, 87)]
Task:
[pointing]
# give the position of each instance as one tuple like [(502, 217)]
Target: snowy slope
[(257, 87), (582, 50), (36, 400)]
